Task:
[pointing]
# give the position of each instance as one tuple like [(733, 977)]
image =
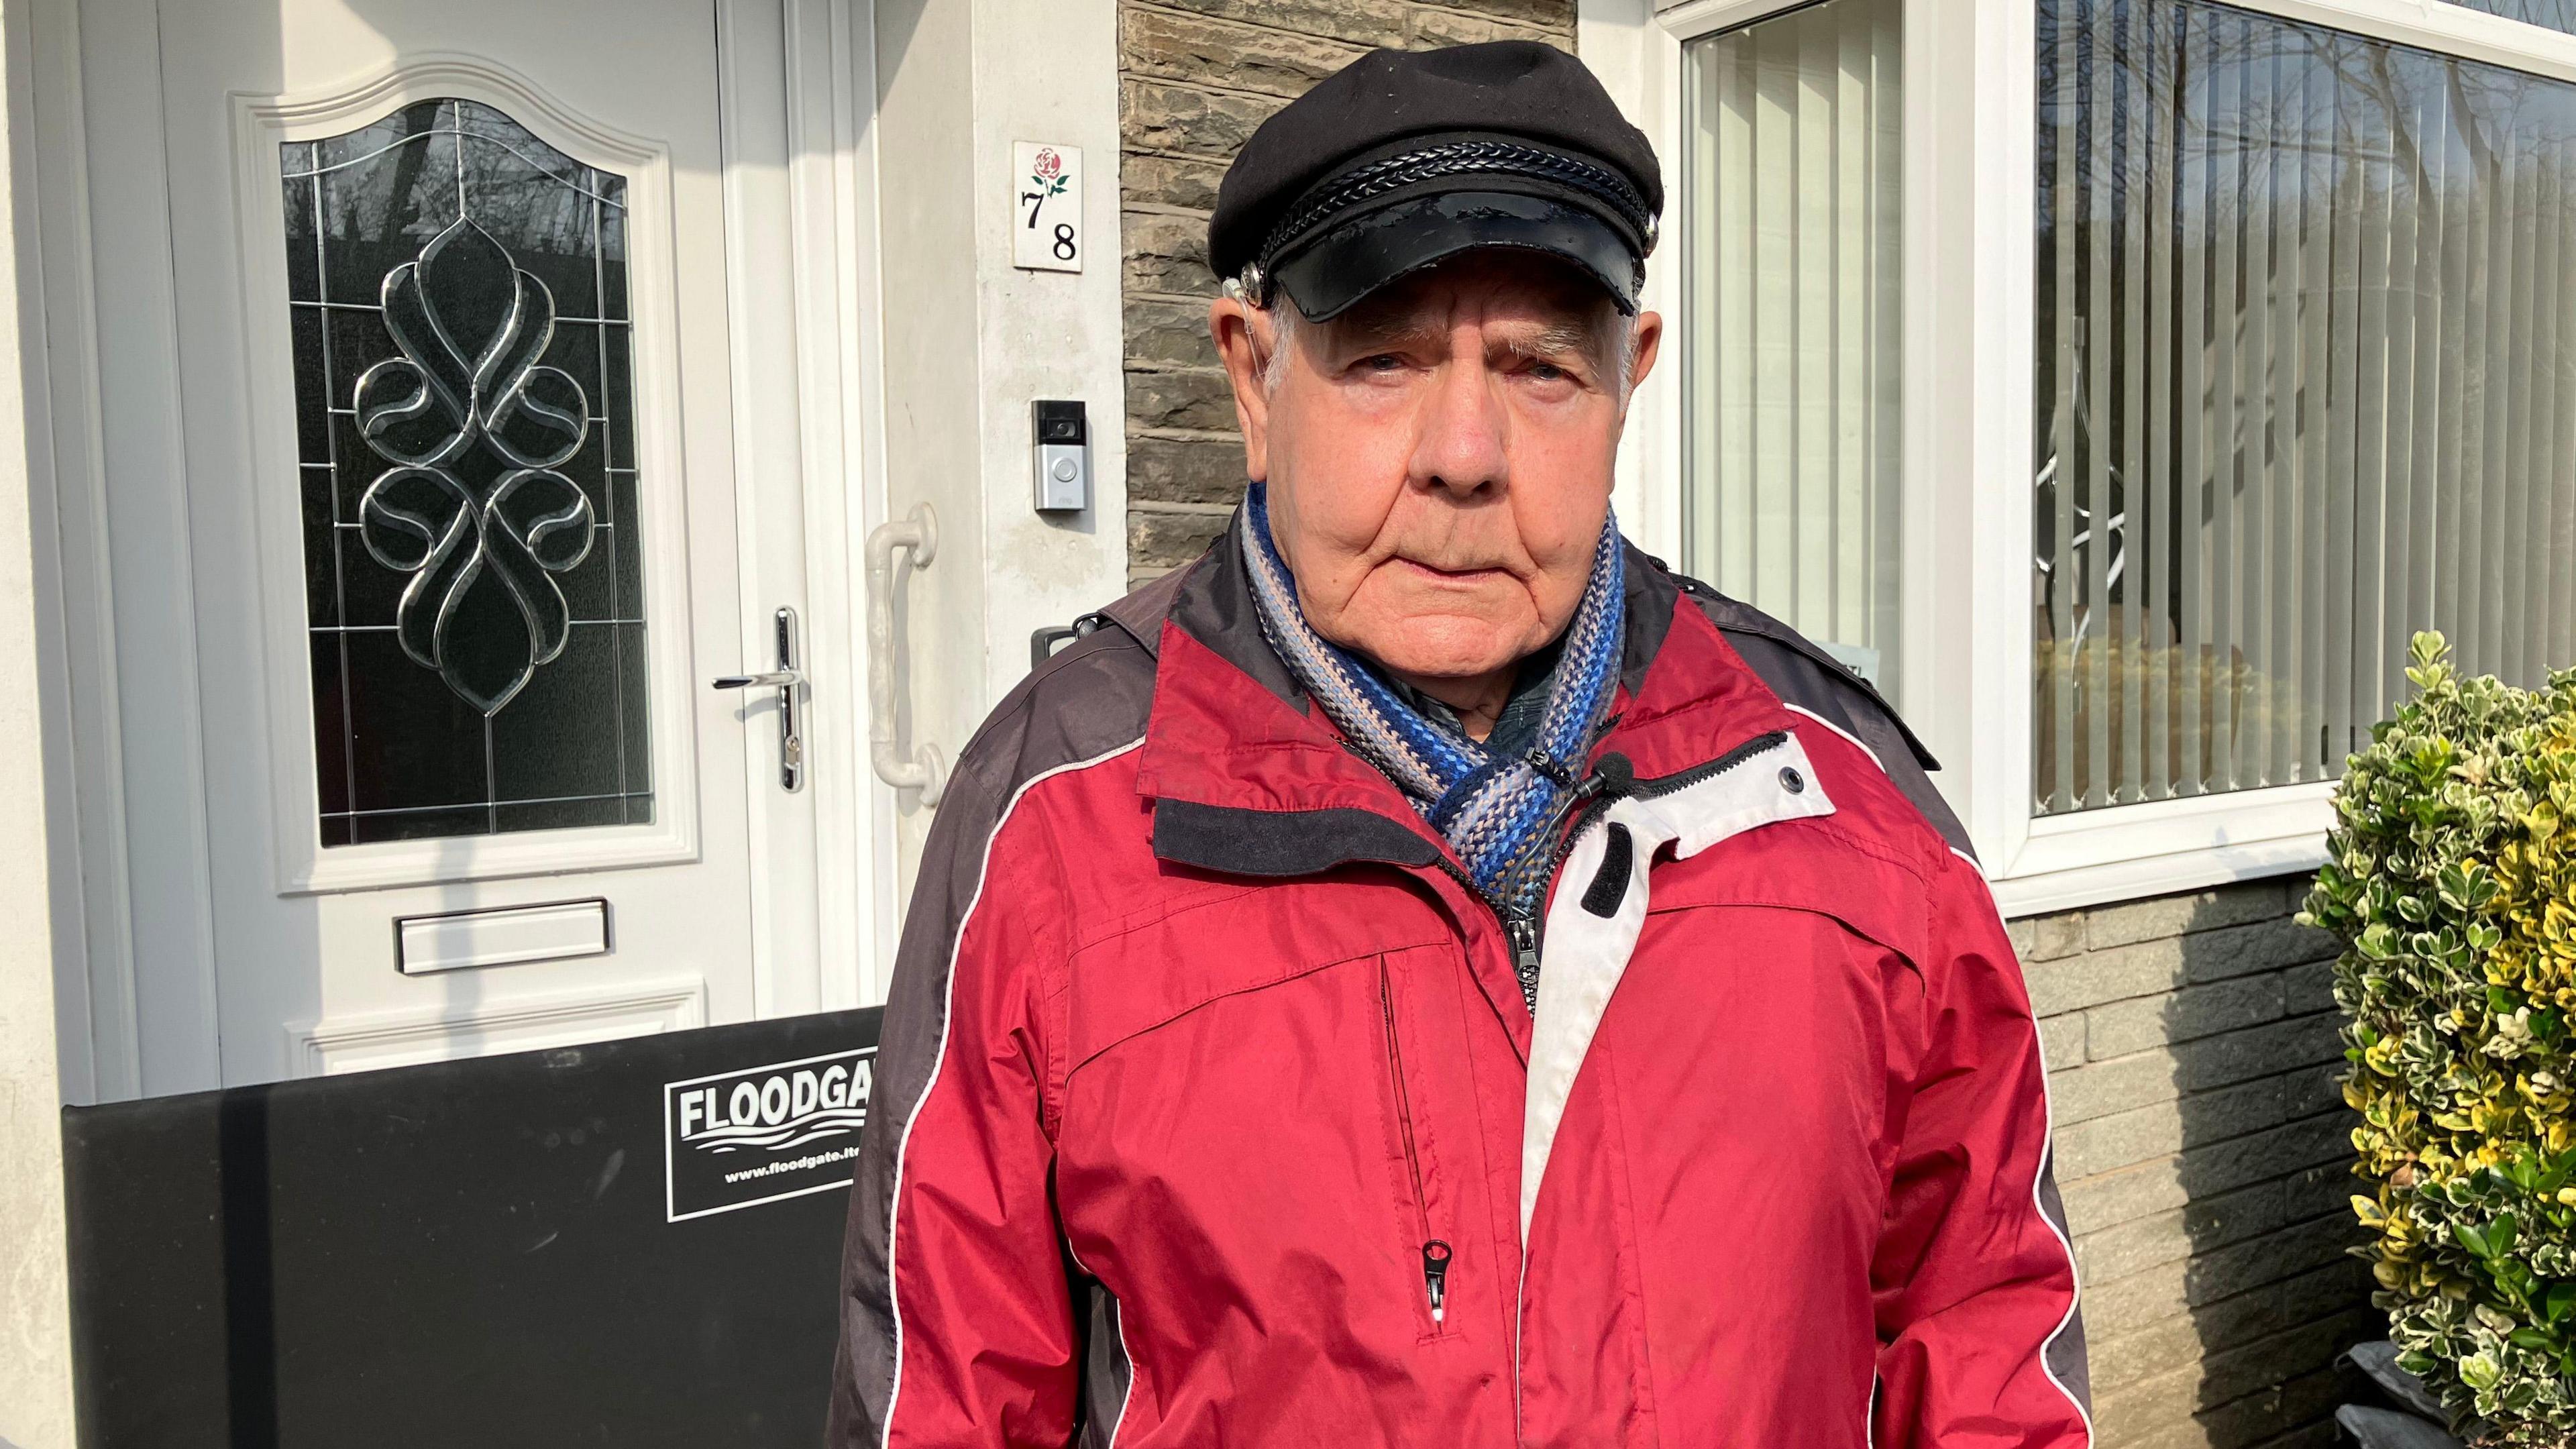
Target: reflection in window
[(464, 396), (2307, 383), (1792, 330), (2557, 15)]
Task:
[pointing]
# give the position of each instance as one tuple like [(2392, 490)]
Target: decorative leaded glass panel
[(465, 398)]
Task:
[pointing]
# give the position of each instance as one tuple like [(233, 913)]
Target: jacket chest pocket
[(1451, 1087), (1425, 1233)]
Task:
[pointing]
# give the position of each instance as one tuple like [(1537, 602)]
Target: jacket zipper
[(1667, 784), (1589, 803), (1435, 1252), (1522, 928), (1593, 801)]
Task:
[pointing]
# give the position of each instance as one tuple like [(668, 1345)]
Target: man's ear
[(1649, 339), (1234, 323)]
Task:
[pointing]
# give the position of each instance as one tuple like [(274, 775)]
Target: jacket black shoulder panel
[(1142, 612), (1090, 697), (1814, 682)]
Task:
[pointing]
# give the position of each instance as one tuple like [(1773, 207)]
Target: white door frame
[(829, 267), (104, 1044)]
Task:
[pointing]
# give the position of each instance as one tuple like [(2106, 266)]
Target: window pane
[(2307, 384), (2555, 14), (1791, 330), (458, 299)]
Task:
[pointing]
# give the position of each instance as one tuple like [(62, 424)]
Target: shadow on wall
[(2203, 1150)]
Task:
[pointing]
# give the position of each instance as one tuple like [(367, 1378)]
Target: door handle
[(785, 679), (923, 769)]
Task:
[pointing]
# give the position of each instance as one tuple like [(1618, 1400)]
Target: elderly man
[(1425, 974)]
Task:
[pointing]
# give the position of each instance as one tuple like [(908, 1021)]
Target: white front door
[(455, 433)]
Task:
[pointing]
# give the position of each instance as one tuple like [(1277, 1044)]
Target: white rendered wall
[(970, 341), (1047, 71), (35, 1313)]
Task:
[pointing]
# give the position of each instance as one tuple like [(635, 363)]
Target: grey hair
[(1285, 320), (1627, 326), (1246, 289)]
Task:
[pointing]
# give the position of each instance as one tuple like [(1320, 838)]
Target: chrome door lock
[(786, 679)]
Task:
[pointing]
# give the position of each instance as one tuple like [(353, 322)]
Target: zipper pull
[(1524, 936), (1435, 1277)]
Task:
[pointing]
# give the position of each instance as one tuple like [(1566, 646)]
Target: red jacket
[(1209, 1111)]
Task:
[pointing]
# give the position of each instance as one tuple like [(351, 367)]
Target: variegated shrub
[(2451, 879)]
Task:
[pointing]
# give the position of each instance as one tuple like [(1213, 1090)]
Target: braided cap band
[(1470, 165), (1351, 257)]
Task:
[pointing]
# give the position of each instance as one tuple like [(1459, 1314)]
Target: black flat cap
[(1402, 158)]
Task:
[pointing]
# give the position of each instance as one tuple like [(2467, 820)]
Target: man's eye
[(1547, 371), (1381, 362)]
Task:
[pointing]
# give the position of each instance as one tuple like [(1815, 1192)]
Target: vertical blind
[(1791, 321), (2307, 383)]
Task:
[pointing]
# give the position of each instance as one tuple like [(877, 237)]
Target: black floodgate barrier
[(631, 1244)]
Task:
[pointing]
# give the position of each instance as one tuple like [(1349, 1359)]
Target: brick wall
[(1195, 78), (2203, 1147)]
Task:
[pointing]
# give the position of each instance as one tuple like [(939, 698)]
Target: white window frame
[(1971, 123)]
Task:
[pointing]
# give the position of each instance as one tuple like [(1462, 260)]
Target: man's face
[(1439, 457)]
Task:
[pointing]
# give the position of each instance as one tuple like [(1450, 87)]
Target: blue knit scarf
[(1495, 811)]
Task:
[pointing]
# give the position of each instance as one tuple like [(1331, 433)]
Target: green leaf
[(2552, 1178), (2453, 883), (2480, 1371), (2471, 1239)]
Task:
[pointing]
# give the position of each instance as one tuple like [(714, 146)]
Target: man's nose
[(1460, 449)]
